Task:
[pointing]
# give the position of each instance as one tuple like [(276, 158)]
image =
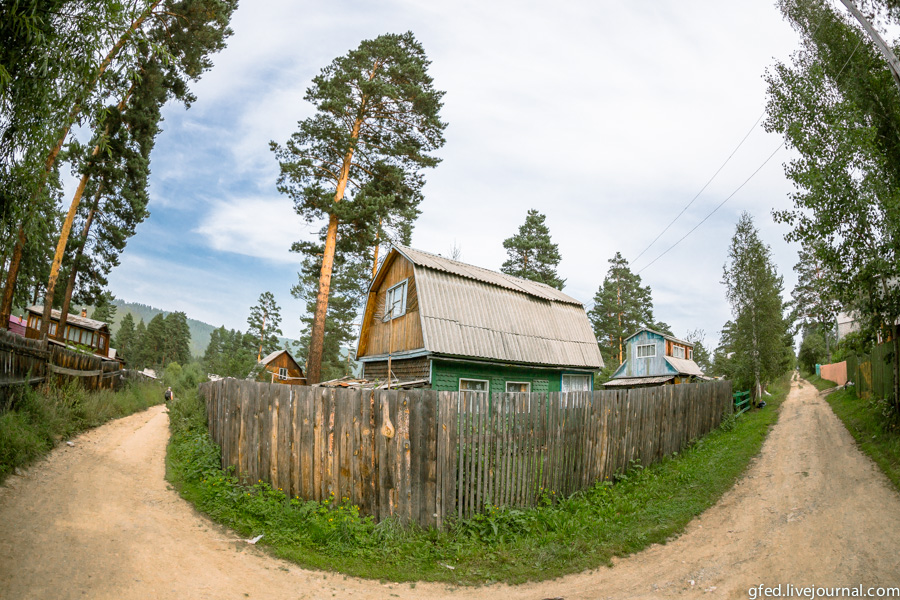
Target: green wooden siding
[(445, 376)]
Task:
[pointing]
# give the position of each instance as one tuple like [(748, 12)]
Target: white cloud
[(258, 227)]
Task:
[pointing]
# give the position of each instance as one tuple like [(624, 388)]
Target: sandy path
[(98, 520)]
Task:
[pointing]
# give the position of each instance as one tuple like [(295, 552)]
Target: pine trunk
[(13, 274), (10, 289), (317, 336), (70, 286)]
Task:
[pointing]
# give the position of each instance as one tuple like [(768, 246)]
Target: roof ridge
[(513, 281)]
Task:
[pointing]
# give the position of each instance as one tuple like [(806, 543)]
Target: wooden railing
[(424, 456)]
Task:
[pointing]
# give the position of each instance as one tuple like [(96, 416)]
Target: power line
[(713, 211), (678, 216)]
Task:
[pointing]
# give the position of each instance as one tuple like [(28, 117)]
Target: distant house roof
[(473, 312), (624, 381), (271, 357), (72, 319), (665, 335), (684, 366)]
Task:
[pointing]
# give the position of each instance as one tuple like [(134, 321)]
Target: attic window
[(395, 302), (646, 351), (282, 372), (678, 351)]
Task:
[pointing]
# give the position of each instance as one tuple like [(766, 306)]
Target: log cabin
[(80, 329), (654, 358), (459, 327), (280, 367)]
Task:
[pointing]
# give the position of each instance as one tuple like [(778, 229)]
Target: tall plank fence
[(24, 361), (423, 456), (872, 373)]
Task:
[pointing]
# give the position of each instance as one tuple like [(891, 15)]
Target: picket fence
[(424, 456)]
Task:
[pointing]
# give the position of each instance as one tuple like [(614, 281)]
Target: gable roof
[(473, 312), (271, 357), (76, 320), (666, 336)]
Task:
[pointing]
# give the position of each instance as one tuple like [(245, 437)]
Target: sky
[(607, 117)]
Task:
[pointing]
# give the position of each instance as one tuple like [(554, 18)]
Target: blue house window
[(646, 351), (395, 303)]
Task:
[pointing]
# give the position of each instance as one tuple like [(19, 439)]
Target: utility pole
[(889, 55)]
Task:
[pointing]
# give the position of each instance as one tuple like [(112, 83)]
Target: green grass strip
[(642, 507), (873, 426), (35, 420)]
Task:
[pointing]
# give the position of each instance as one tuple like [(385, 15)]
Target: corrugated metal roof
[(472, 312), (683, 365), (517, 284), (271, 357), (77, 320), (671, 338), (625, 381)]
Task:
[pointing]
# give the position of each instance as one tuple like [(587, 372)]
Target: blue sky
[(608, 117)]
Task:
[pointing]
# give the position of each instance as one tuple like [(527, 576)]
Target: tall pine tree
[(359, 159), (264, 322), (621, 306), (531, 254)]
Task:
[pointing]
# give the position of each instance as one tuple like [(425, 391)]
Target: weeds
[(645, 505), (36, 419)]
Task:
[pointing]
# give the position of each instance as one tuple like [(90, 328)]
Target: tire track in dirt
[(98, 520)]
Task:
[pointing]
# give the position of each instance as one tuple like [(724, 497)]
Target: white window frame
[(282, 373), (690, 353), (389, 300), (637, 351), (567, 387), (486, 382), (527, 384), (676, 350)]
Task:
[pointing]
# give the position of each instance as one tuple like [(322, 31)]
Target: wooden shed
[(280, 367), (461, 327), (654, 358), (80, 330)]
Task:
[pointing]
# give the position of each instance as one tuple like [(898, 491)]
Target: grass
[(35, 420), (818, 383), (644, 506), (873, 426)]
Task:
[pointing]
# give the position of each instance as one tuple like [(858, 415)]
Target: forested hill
[(200, 331)]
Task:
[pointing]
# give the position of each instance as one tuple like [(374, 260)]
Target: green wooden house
[(453, 326)]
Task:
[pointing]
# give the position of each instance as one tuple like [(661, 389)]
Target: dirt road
[(97, 520)]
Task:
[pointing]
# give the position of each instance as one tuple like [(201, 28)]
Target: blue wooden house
[(654, 358)]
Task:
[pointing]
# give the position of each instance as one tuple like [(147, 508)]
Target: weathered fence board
[(423, 456)]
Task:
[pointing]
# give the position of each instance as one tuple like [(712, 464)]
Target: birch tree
[(760, 336), (359, 159)]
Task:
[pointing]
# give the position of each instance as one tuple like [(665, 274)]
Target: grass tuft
[(34, 420), (646, 505)]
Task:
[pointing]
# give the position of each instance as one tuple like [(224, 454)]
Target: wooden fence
[(24, 361), (873, 373), (424, 456)]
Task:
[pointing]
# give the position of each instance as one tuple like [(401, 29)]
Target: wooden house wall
[(96, 339), (283, 361), (647, 366), (407, 330)]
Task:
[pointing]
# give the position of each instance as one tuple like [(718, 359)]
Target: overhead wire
[(713, 211)]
